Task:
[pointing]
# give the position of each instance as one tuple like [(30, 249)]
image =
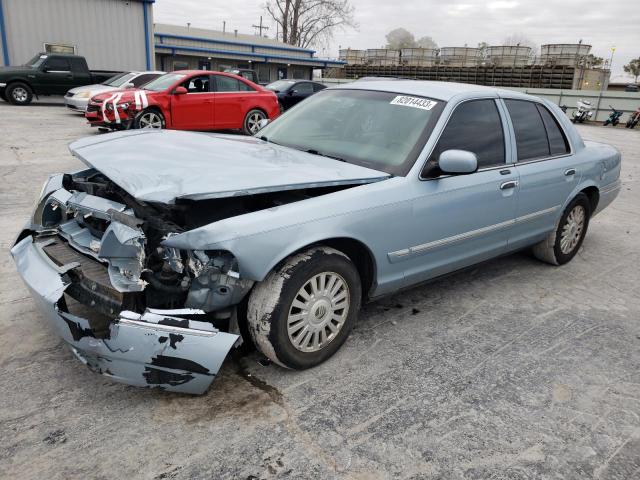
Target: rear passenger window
[(558, 144), (226, 84), (531, 136), (304, 88), (475, 126)]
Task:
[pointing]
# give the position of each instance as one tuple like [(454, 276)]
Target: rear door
[(232, 101), (193, 110), (547, 170)]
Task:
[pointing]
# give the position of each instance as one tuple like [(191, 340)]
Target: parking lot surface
[(510, 370)]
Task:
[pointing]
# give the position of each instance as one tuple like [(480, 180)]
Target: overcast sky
[(600, 23)]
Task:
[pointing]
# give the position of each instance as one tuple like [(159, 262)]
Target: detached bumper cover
[(153, 349)]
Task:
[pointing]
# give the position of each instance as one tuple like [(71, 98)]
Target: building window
[(59, 48), (180, 65)]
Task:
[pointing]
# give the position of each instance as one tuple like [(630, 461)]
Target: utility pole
[(259, 28)]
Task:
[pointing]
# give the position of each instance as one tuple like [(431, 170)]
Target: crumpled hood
[(164, 165)]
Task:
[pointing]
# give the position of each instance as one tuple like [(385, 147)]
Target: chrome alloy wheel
[(150, 120), (318, 312), (572, 229), (19, 94), (253, 122)]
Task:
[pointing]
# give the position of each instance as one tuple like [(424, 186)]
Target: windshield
[(380, 130), (280, 85), (119, 79), (163, 82), (36, 61)]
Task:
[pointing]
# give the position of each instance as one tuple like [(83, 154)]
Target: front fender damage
[(156, 348)]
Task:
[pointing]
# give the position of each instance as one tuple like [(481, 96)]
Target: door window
[(229, 84), (303, 88), (58, 65), (529, 129), (558, 144), (199, 84), (474, 126)]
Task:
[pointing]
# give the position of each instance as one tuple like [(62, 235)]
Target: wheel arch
[(20, 80), (359, 253)]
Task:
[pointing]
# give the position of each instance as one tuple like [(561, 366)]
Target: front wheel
[(19, 94), (563, 244), (304, 310), (149, 119), (252, 120), (606, 122)]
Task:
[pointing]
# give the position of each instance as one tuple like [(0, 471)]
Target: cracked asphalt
[(510, 370)]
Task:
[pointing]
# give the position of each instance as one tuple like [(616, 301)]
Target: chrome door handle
[(509, 184), (570, 171)]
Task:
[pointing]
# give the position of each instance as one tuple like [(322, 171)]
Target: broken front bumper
[(153, 349)]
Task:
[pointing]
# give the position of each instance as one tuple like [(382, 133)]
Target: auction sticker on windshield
[(415, 102)]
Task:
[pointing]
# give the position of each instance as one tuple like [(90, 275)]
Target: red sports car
[(187, 100)]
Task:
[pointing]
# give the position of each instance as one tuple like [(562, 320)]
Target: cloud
[(450, 23)]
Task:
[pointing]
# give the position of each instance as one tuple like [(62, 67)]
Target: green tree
[(633, 67)]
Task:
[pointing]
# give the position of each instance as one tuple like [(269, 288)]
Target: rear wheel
[(149, 119), (304, 310), (252, 120), (19, 93), (563, 244)]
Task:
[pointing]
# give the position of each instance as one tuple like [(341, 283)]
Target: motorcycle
[(583, 111), (614, 117), (634, 118)]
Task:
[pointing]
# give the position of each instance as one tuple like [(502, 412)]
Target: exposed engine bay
[(117, 242)]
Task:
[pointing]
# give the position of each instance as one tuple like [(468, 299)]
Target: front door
[(459, 220), (548, 172), (297, 93), (56, 75), (193, 110)]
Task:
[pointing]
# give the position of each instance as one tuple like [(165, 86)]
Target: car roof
[(439, 90)]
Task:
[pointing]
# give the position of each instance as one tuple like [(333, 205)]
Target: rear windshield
[(164, 82)]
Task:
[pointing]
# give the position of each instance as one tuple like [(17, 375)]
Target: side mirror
[(180, 91), (458, 162), (263, 123), (293, 92), (128, 85)]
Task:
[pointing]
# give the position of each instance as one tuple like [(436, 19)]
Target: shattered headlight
[(40, 216), (215, 280)]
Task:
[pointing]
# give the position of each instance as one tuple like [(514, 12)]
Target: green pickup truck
[(47, 74)]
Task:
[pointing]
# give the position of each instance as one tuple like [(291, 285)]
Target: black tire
[(551, 249), (573, 120), (19, 93), (281, 107), (250, 119), (3, 96), (146, 118), (615, 123), (606, 122), (272, 301)]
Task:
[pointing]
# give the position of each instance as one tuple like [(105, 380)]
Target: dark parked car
[(291, 92), (47, 74)]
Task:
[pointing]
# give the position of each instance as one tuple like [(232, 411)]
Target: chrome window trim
[(505, 131), (425, 247)]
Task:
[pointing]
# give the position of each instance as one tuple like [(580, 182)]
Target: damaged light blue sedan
[(153, 261)]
